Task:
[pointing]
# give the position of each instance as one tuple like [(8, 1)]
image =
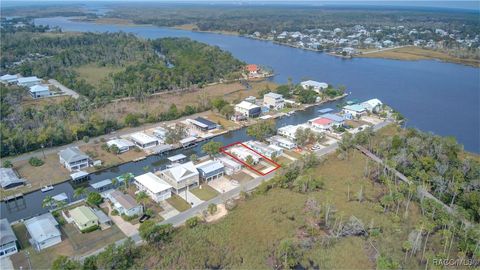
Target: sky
[(472, 5)]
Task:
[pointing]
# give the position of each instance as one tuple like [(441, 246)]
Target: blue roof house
[(210, 170)]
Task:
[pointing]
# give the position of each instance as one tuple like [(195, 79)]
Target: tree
[(114, 149), (218, 103), (132, 120), (65, 263), (36, 162), (212, 148), (227, 111), (153, 233), (307, 183), (192, 222), (287, 253), (94, 198), (249, 160), (7, 163), (262, 129), (48, 201), (193, 158), (174, 135), (127, 177), (212, 208), (346, 143), (142, 198), (80, 192)]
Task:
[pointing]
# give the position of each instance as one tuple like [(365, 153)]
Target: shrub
[(129, 218), (7, 164), (94, 198), (192, 222), (86, 139), (35, 162), (212, 208), (114, 212), (90, 229)]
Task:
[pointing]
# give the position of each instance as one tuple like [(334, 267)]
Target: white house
[(160, 133), (282, 142), (73, 159), (231, 166), (290, 131), (28, 81), (8, 240), (123, 145), (354, 110), (43, 231), (372, 105), (181, 176), (248, 109), (273, 101), (243, 153), (39, 91), (8, 78), (125, 204), (155, 187), (266, 150), (314, 85), (143, 140)]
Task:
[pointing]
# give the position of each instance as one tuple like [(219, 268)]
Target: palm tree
[(126, 178), (142, 198), (48, 201), (80, 192), (114, 182)]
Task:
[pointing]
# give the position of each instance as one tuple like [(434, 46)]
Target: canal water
[(439, 97)]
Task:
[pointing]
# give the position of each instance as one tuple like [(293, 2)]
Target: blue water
[(439, 97)]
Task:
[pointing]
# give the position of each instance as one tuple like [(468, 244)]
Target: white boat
[(46, 188)]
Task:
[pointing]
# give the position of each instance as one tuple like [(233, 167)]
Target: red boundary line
[(223, 150)]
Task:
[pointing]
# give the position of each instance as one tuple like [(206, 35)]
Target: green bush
[(192, 222), (7, 164), (90, 229), (212, 208), (114, 212), (35, 162), (129, 218), (94, 198)]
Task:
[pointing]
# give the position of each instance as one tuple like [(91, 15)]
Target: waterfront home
[(372, 105), (155, 187), (290, 131), (181, 176), (73, 159), (252, 70), (269, 151), (83, 217), (123, 145), (251, 99), (39, 91), (8, 240), (102, 185), (282, 142), (143, 140), (125, 204), (231, 166), (28, 81), (160, 133), (273, 101), (188, 141), (62, 197), (314, 85), (243, 153), (43, 231), (248, 109), (337, 119), (9, 178), (354, 110), (80, 176), (321, 123), (8, 78), (202, 124), (210, 170), (180, 158)]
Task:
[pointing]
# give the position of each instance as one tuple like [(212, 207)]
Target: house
[(43, 231), (231, 166), (266, 150), (337, 119), (321, 123), (125, 204), (188, 141), (73, 159), (160, 133), (248, 109), (28, 81), (84, 217), (155, 187), (7, 78), (39, 91), (202, 124), (243, 153), (143, 141), (180, 158), (273, 101), (80, 176), (354, 110), (8, 240), (252, 70), (102, 185), (10, 179), (210, 170), (181, 176), (372, 105), (123, 145), (290, 131), (282, 142), (314, 85), (251, 99)]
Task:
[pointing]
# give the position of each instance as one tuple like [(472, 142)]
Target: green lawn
[(22, 235), (178, 203), (205, 193), (94, 74)]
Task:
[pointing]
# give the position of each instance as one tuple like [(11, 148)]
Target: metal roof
[(72, 154), (326, 110), (83, 215), (101, 184), (6, 233), (210, 166), (9, 177), (333, 117), (177, 157), (42, 227), (205, 121), (152, 182)]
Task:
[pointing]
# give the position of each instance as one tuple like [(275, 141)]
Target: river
[(439, 97)]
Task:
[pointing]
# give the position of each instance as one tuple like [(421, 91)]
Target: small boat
[(46, 188)]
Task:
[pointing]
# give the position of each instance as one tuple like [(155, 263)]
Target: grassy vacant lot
[(249, 235), (94, 74), (205, 193), (178, 203), (95, 151), (416, 53), (84, 243), (226, 124)]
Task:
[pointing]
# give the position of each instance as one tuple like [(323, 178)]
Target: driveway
[(249, 172), (222, 184), (66, 90), (190, 198), (6, 263), (168, 210), (126, 227)]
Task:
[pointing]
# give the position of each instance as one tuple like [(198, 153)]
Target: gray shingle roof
[(72, 154)]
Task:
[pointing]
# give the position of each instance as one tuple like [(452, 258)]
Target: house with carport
[(43, 231)]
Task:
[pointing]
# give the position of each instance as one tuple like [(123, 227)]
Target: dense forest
[(149, 66)]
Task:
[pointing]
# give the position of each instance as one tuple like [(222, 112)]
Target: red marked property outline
[(223, 150)]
